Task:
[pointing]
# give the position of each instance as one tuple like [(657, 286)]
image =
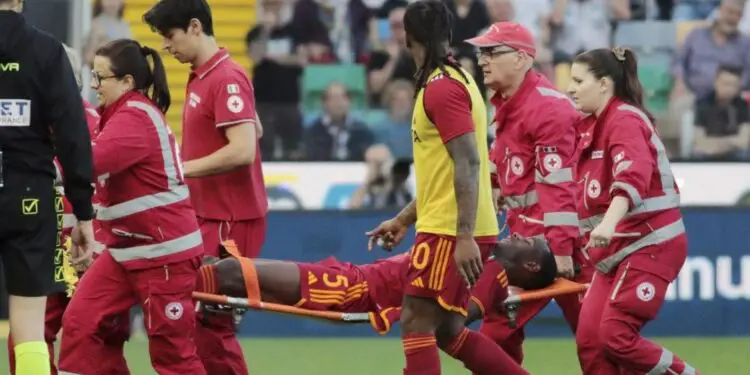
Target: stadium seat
[(646, 37), (653, 71), (685, 27), (316, 78), (562, 76), (375, 117)]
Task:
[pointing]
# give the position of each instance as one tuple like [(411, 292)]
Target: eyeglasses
[(490, 52), (97, 78)]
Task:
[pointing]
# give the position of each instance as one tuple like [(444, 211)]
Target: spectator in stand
[(536, 16), (275, 45), (107, 25), (722, 120), (334, 29), (586, 24), (337, 135), (470, 18), (707, 48), (392, 63), (690, 10), (385, 186), (743, 26), (395, 132), (379, 26), (503, 10)]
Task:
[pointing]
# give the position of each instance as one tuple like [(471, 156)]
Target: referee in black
[(41, 115)]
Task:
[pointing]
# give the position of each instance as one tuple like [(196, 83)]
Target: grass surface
[(382, 356)]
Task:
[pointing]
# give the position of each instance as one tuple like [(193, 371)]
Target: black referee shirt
[(41, 112)]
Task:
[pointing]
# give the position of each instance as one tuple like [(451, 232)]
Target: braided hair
[(429, 23)]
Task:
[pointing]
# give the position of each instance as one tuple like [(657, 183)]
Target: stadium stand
[(231, 20)]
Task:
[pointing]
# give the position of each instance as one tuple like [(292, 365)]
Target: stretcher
[(253, 300)]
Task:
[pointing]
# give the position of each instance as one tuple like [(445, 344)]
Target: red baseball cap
[(506, 33)]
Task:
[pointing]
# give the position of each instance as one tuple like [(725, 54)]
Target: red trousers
[(218, 347), (619, 304), (495, 324), (106, 293)]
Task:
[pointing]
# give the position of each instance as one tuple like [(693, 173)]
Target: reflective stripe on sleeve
[(656, 237), (552, 219), (629, 189), (557, 177), (665, 202), (171, 247), (522, 200)]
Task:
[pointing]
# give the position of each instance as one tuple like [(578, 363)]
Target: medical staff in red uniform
[(222, 157), (630, 212), (534, 156), (153, 243)]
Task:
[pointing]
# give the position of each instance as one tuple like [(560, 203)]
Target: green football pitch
[(381, 356)]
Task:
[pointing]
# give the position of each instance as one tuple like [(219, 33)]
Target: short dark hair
[(621, 66), (548, 272), (128, 57), (730, 69), (177, 14)]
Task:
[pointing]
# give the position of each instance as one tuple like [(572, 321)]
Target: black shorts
[(31, 215)]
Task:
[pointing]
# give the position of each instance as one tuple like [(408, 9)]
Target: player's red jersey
[(220, 94)]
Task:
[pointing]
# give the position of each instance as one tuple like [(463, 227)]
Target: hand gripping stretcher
[(253, 300)]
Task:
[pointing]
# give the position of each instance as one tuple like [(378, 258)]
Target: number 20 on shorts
[(420, 256)]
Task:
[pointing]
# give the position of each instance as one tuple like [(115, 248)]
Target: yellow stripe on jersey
[(437, 210)]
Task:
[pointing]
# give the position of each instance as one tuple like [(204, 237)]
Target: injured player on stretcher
[(377, 288)]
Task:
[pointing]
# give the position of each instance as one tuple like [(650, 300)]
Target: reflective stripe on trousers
[(665, 362), (170, 247), (656, 237)]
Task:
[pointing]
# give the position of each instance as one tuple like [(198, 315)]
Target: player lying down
[(377, 288)]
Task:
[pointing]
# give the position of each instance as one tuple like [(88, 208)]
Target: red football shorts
[(248, 234), (433, 274), (334, 286)]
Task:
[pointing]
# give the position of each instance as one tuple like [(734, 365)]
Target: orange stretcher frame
[(558, 288)]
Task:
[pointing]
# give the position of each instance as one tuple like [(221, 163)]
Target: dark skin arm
[(463, 151), (408, 215)]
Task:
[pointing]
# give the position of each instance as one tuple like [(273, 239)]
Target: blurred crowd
[(333, 81)]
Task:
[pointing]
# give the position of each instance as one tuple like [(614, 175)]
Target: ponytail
[(128, 57), (632, 90), (158, 80)]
